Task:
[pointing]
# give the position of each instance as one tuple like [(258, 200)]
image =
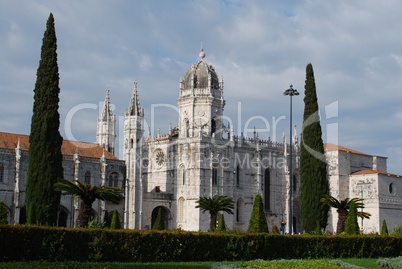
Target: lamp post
[(291, 92)]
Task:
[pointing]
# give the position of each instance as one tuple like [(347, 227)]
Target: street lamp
[(291, 92)]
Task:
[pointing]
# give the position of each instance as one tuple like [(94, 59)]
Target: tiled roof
[(10, 141), (333, 147), (368, 171)]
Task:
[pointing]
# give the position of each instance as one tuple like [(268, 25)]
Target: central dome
[(199, 74)]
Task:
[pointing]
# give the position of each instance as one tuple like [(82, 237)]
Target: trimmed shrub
[(221, 224), (106, 219), (29, 243), (116, 224), (258, 220), (384, 228), (275, 229), (351, 225)]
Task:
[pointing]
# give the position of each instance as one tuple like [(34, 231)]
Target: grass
[(292, 264), (366, 263), (103, 265), (369, 263)]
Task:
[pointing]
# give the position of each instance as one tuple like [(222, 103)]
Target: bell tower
[(201, 101), (133, 142)]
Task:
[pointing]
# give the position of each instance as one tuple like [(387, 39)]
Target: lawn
[(365, 263), (93, 265)]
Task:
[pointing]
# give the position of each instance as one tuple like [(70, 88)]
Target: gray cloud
[(259, 47)]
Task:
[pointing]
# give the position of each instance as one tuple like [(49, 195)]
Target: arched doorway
[(165, 216), (23, 215), (62, 218)]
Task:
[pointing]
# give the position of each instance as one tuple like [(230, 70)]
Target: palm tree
[(214, 205), (88, 194), (342, 207)]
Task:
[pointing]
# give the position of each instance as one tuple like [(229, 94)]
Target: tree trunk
[(84, 215), (212, 224), (342, 215)]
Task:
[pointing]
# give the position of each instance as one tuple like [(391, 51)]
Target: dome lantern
[(201, 75)]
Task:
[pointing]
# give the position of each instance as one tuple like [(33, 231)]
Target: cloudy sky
[(259, 47)]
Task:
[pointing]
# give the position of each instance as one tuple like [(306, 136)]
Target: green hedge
[(23, 243)]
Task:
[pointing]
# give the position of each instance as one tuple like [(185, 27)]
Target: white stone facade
[(199, 157), (354, 174), (87, 162)]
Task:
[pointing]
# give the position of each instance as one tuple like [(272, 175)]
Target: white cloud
[(259, 47)]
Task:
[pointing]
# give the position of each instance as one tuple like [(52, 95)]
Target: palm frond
[(111, 194), (331, 201), (343, 204), (67, 187), (362, 214), (216, 204)]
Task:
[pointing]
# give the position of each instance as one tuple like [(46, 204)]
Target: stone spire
[(135, 108), (106, 131), (295, 139), (106, 111), (285, 146)]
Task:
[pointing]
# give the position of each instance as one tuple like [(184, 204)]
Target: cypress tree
[(115, 224), (258, 221), (45, 158), (313, 168), (351, 225), (384, 228)]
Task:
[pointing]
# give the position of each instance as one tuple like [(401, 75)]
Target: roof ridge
[(371, 171), (69, 147), (332, 147)]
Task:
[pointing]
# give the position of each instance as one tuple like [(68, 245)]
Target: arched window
[(267, 189), (294, 182), (181, 209), (87, 177), (1, 172), (114, 179), (391, 188), (214, 176), (187, 128), (238, 176), (213, 126), (184, 177)]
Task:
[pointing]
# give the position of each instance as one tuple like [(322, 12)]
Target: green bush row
[(23, 243)]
